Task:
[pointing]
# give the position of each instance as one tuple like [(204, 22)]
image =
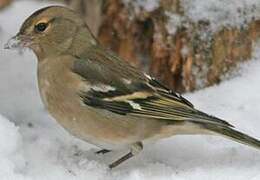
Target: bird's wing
[(126, 91)]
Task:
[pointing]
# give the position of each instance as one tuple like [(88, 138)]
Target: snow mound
[(10, 142)]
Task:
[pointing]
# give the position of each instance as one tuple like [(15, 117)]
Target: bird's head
[(53, 30)]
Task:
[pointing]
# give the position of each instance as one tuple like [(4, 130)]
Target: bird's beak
[(17, 42), (13, 43)]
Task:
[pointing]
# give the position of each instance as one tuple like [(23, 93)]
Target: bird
[(99, 98)]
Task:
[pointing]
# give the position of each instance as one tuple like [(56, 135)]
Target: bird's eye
[(41, 27)]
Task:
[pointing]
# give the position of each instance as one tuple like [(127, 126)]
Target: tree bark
[(182, 59)]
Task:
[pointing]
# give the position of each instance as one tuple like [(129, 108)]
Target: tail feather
[(234, 135)]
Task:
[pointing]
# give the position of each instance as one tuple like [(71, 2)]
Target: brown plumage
[(101, 99)]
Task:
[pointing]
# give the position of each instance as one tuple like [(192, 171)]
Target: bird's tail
[(233, 134)]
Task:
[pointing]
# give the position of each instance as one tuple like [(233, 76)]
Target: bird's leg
[(103, 151), (122, 159), (135, 149)]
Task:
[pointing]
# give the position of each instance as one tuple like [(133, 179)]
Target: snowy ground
[(34, 147)]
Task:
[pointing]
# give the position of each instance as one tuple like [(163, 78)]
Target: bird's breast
[(59, 87)]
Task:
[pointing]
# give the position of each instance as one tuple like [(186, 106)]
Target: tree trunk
[(160, 39)]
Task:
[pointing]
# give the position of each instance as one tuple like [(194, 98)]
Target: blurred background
[(206, 49)]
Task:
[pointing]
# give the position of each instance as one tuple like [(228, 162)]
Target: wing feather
[(140, 95)]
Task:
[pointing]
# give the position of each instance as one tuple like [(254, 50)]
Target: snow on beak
[(18, 42)]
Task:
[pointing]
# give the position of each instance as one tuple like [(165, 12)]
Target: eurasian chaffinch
[(100, 98)]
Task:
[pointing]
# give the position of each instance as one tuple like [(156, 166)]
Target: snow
[(174, 22), (228, 13), (10, 141), (34, 147), (146, 5), (216, 13)]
